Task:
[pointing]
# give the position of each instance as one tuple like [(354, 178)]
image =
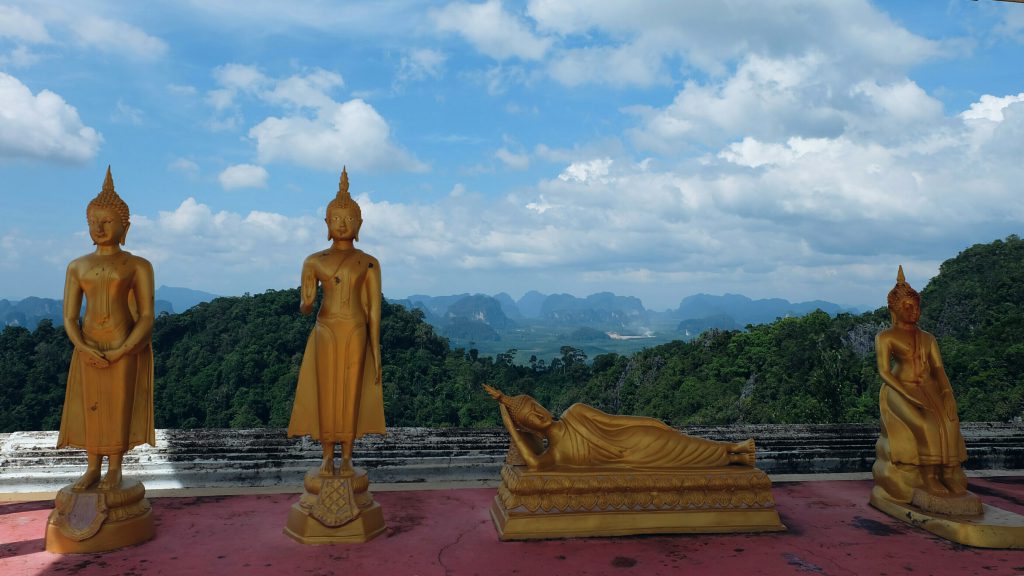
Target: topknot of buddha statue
[(343, 200), (108, 198), (517, 406), (901, 291)]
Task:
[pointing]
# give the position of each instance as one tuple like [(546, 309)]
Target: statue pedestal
[(335, 509), (95, 520), (993, 528), (580, 502)]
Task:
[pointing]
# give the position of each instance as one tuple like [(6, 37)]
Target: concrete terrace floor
[(832, 531)]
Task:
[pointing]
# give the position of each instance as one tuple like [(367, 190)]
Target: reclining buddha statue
[(590, 473)]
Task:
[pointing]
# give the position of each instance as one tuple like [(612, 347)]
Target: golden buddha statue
[(339, 397), (585, 436), (595, 474), (108, 406), (920, 451)]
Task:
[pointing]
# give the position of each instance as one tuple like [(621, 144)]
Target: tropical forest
[(233, 363)]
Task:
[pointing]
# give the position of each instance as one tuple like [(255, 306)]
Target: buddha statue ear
[(125, 233), (359, 224)]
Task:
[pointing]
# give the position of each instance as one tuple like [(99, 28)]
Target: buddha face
[(908, 310), (105, 227), (535, 417), (342, 224)]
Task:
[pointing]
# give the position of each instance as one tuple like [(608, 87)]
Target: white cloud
[(420, 64), (222, 251), (315, 130), (710, 36), (630, 65), (767, 99), (42, 126), (352, 133), (20, 57), (117, 37), (309, 91), (243, 176), (596, 169), (513, 160), (220, 98), (990, 107), (240, 77), (184, 166), (126, 114), (20, 26), (491, 30)]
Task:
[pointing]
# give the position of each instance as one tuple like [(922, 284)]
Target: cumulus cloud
[(117, 37), (243, 176), (42, 125), (491, 30), (710, 37), (771, 99), (351, 133), (197, 246), (315, 130), (807, 217)]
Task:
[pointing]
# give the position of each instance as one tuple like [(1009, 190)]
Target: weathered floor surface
[(832, 531)]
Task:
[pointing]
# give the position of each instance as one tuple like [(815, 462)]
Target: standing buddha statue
[(339, 397), (108, 404)]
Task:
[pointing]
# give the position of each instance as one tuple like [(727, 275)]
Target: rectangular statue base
[(305, 529), (994, 528), (570, 503)]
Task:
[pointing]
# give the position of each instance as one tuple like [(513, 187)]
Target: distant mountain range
[(499, 319), (31, 310), (481, 317)]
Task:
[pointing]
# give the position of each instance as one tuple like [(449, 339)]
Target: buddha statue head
[(344, 218), (108, 215), (904, 301), (524, 410)]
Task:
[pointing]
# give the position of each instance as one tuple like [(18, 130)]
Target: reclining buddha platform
[(581, 502)]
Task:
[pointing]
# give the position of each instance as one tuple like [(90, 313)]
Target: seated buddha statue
[(920, 448), (587, 437)]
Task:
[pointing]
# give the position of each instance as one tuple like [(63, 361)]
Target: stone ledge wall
[(265, 457)]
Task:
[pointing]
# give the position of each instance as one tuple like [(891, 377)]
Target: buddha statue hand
[(94, 357)]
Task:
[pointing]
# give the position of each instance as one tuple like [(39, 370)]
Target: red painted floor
[(832, 531)]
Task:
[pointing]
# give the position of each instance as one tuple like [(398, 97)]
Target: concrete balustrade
[(209, 458)]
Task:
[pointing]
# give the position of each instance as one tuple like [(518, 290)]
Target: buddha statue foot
[(99, 519), (335, 508), (991, 528), (575, 502), (961, 505)]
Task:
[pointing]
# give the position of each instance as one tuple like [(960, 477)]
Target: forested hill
[(234, 362)]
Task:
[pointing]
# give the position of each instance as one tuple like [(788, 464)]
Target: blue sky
[(798, 149)]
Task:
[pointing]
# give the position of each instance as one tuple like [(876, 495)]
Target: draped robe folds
[(338, 364), (912, 435), (594, 438), (109, 410), (916, 437)]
